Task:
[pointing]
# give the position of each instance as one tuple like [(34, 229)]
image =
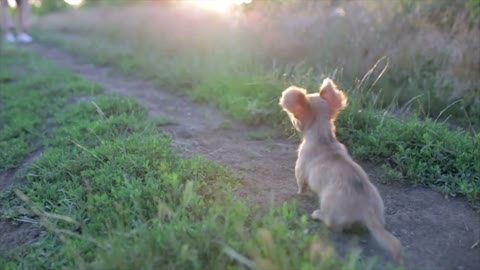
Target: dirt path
[(26, 230), (437, 233), (11, 234)]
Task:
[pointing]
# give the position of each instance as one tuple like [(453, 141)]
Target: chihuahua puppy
[(347, 197)]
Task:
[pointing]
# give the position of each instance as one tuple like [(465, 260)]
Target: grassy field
[(109, 192), (201, 57)]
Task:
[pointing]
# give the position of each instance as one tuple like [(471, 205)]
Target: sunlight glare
[(12, 3), (36, 3), (74, 2), (218, 5)]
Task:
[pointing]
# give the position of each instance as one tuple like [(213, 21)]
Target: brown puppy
[(347, 197)]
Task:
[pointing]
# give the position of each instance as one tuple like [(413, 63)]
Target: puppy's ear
[(336, 99), (294, 100)]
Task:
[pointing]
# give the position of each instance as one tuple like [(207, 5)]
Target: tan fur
[(347, 197)]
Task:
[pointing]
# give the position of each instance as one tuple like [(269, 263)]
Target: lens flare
[(12, 3), (74, 2), (218, 5)]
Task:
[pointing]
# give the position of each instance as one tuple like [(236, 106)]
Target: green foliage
[(474, 6), (104, 2), (422, 152), (48, 6), (248, 99)]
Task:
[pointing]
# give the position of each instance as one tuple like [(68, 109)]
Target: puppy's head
[(306, 109)]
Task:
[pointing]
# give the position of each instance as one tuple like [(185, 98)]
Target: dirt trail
[(26, 230), (437, 233), (14, 234)]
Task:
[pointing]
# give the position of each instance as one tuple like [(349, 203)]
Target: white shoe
[(9, 37), (24, 38)]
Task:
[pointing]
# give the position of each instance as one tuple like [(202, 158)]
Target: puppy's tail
[(387, 240)]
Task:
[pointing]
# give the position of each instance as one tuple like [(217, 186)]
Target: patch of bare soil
[(437, 233), (13, 235)]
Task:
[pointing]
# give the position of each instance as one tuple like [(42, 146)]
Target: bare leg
[(23, 15), (5, 17)]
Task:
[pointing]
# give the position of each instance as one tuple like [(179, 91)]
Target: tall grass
[(304, 40)]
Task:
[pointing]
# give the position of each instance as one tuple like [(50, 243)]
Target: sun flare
[(74, 2), (12, 3), (218, 5)]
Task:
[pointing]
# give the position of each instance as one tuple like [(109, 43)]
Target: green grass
[(235, 80), (26, 104), (109, 192), (421, 152)]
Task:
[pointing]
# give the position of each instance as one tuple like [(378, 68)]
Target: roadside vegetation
[(26, 104), (412, 111), (109, 191)]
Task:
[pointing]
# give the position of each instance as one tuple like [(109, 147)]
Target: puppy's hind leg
[(318, 214), (302, 185), (302, 182)]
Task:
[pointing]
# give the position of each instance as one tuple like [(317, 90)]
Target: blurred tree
[(49, 6), (106, 2), (474, 6), (58, 5)]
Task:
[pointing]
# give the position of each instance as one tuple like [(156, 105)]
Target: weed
[(163, 121)]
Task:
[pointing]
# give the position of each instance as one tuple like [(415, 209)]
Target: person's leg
[(23, 16), (6, 21)]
